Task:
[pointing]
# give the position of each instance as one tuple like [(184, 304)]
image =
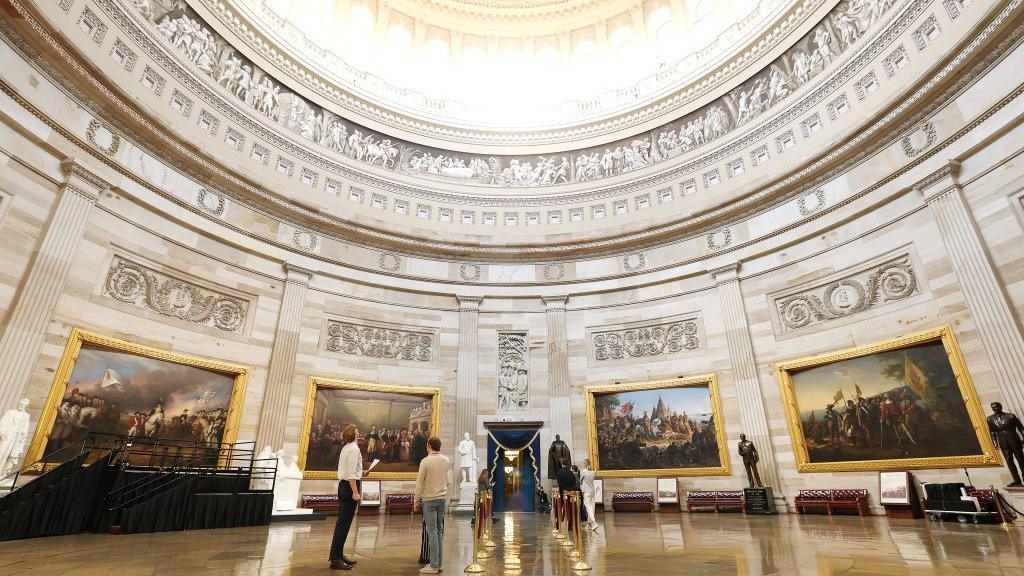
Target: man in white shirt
[(587, 487), (350, 475), (432, 482)]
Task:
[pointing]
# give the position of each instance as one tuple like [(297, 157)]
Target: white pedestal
[(465, 503)]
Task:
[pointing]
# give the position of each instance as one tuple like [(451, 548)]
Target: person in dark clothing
[(568, 482)]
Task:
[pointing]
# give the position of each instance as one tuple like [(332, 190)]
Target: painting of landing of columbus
[(394, 423), (900, 404), (666, 428), (112, 387)]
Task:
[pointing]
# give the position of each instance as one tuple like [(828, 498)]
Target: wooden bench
[(633, 502), (321, 503), (833, 499), (396, 501), (716, 500)]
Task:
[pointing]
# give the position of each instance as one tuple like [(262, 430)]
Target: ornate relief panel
[(660, 339), (379, 341), (513, 372), (147, 288), (885, 280)]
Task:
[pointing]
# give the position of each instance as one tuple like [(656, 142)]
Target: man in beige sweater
[(432, 494)]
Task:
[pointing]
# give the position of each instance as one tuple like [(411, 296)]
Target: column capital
[(295, 273), (725, 272), (81, 179), (469, 302), (942, 181), (555, 302)]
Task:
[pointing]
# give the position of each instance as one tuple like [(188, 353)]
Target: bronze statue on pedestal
[(750, 459), (1006, 431)]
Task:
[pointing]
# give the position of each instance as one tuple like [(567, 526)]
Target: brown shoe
[(342, 565)]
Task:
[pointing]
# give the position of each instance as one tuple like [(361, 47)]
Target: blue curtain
[(530, 465)]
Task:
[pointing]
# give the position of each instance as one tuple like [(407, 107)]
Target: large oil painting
[(900, 404), (111, 387), (394, 423), (664, 428)]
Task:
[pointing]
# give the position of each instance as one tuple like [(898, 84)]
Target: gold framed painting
[(394, 423), (108, 386), (905, 403), (663, 428)]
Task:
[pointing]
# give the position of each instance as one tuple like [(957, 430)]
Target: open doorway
[(513, 458)]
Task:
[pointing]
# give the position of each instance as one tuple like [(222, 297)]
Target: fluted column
[(744, 369), (274, 411), (469, 352), (996, 325), (31, 313), (558, 371)]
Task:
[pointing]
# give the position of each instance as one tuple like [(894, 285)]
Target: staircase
[(121, 484)]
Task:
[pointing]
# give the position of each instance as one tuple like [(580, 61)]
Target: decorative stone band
[(644, 341), (890, 281), (148, 289), (378, 342)]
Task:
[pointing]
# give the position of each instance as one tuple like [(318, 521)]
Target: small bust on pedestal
[(1006, 431), (467, 459), (13, 433)]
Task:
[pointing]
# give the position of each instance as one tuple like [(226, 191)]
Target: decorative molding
[(635, 261), (345, 337), (919, 140), (469, 272), (655, 340), (719, 239), (807, 209), (847, 293), (513, 372), (305, 240), (553, 271), (152, 290), (211, 203), (101, 136), (389, 262)]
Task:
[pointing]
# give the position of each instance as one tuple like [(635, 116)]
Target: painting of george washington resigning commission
[(903, 403), (394, 423), (664, 428)]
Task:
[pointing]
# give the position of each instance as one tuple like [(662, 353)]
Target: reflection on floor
[(625, 544)]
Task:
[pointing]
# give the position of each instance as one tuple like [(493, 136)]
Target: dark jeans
[(346, 512)]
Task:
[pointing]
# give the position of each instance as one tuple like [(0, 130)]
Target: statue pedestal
[(464, 507), (759, 500)]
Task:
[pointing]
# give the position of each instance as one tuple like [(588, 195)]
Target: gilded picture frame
[(942, 334), (709, 381), (317, 382), (80, 337)]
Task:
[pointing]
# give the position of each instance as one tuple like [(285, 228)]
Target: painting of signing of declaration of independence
[(896, 404), (664, 428), (394, 423), (107, 386)]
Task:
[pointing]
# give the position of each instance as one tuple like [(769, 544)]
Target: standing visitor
[(350, 475), (432, 494), (587, 487)]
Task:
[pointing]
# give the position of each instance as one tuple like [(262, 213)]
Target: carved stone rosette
[(887, 282), (378, 342), (642, 341), (145, 288)]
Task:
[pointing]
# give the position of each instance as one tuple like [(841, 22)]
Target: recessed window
[(445, 215), (811, 125), (511, 219), (285, 166), (759, 156), (643, 202), (401, 207), (234, 139), (490, 218), (620, 207), (379, 202), (785, 141), (576, 215), (259, 154), (688, 187), (555, 217), (355, 195), (664, 196), (712, 178), (736, 168), (423, 211), (333, 187), (181, 103), (467, 217), (308, 178), (532, 218)]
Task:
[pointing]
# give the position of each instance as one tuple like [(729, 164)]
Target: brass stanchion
[(578, 530), (489, 510), (475, 567), (558, 516), (999, 508), (567, 537), (574, 528)]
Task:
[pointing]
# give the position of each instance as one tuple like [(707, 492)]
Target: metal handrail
[(41, 463)]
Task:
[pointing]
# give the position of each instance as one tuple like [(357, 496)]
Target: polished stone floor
[(625, 544)]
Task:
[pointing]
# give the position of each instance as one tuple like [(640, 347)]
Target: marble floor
[(625, 544)]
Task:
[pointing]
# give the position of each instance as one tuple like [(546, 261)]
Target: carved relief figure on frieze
[(513, 372), (190, 36)]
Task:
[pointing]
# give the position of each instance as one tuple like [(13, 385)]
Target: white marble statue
[(13, 433), (286, 486), (263, 460), (467, 458)]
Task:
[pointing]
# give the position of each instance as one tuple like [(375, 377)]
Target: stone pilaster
[(469, 355), (558, 372), (33, 309), (274, 410), (744, 372), (996, 325)]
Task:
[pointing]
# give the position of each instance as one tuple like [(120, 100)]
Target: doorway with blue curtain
[(513, 459)]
